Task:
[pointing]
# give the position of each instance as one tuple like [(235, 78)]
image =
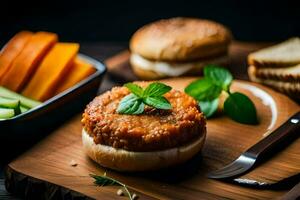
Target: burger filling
[(172, 69)]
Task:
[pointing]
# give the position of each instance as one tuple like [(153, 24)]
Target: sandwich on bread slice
[(280, 80), (278, 67), (284, 54)]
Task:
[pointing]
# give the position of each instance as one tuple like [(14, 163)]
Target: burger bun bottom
[(123, 160)]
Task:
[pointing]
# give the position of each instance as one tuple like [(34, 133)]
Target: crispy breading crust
[(150, 131)]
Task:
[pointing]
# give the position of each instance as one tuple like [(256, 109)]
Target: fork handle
[(286, 130)]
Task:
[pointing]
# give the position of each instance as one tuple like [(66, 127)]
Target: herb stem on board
[(108, 181)]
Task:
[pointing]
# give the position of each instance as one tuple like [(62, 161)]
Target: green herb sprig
[(152, 95), (208, 90), (108, 181)]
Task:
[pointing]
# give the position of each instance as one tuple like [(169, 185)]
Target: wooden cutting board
[(45, 170)]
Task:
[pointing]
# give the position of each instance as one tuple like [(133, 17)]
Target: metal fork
[(249, 158)]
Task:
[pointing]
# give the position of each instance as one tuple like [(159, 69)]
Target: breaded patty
[(153, 130)]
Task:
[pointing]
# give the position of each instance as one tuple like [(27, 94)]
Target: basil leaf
[(135, 89), (131, 104), (213, 92), (220, 76), (197, 87), (158, 102), (134, 103), (240, 108), (209, 107), (203, 90), (156, 89)]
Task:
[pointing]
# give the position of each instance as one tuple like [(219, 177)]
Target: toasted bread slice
[(282, 74), (284, 54), (291, 88)]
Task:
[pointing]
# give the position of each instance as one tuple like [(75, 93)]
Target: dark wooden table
[(100, 51)]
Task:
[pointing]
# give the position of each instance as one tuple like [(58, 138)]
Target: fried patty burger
[(178, 46), (152, 140)]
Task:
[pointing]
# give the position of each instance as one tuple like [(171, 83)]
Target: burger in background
[(178, 46)]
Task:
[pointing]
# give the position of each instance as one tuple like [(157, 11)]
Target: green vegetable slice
[(23, 109), (26, 102), (6, 113), (10, 103)]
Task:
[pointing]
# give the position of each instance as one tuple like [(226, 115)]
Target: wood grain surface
[(49, 161)]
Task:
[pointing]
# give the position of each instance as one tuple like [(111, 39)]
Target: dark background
[(91, 20)]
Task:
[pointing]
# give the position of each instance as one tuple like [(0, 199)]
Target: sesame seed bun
[(180, 39), (123, 160)]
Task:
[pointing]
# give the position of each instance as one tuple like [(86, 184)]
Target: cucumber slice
[(10, 103), (23, 109), (6, 113), (26, 102)]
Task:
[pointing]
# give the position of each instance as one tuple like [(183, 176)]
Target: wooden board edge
[(118, 59), (29, 187), (294, 193)]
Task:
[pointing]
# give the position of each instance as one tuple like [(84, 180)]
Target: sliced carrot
[(27, 61), (79, 71), (51, 71), (12, 49)]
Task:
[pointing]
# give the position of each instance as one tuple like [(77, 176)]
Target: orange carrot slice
[(51, 71), (79, 71), (12, 49), (27, 61)]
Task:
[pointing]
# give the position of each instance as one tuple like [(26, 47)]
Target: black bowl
[(42, 119)]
